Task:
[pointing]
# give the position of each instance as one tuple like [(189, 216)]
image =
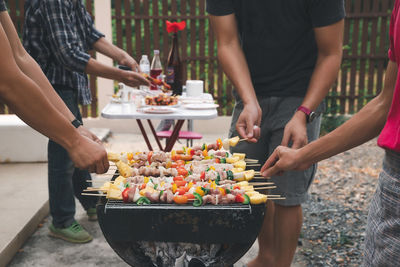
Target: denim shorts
[(276, 113)]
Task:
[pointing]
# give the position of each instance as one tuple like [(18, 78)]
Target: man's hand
[(85, 132), (126, 60), (248, 123), (283, 159), (87, 154), (296, 131), (132, 79)]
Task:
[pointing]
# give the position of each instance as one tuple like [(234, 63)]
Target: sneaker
[(92, 214), (74, 234)]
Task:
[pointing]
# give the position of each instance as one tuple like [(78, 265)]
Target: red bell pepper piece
[(125, 196)]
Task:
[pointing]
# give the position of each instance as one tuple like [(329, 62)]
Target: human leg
[(61, 190), (287, 216)]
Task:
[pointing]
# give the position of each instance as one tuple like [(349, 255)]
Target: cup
[(194, 88)]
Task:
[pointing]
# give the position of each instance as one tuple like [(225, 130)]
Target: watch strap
[(76, 123), (305, 110)]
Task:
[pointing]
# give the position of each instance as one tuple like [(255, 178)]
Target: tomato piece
[(236, 187), (181, 191), (143, 186), (190, 196), (180, 199), (149, 155), (174, 165), (183, 172), (203, 175), (125, 196), (239, 198), (180, 162), (192, 152), (217, 160), (178, 178), (180, 183)]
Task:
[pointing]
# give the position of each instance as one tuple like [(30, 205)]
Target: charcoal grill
[(234, 227)]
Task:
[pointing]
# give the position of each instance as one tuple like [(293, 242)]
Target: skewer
[(264, 188), (278, 198), (92, 190), (93, 195), (244, 139), (254, 165), (260, 183)]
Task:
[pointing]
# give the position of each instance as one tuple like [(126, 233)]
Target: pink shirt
[(390, 135)]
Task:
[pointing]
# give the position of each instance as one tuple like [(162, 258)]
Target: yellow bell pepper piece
[(174, 188), (222, 190), (212, 168), (146, 179), (200, 191), (190, 185), (205, 153), (129, 156)]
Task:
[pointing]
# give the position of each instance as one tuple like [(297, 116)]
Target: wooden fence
[(139, 28)]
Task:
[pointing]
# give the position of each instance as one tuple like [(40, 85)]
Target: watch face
[(312, 116)]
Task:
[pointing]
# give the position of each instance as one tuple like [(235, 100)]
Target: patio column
[(103, 23)]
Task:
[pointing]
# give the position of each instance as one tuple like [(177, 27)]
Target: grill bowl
[(234, 226)]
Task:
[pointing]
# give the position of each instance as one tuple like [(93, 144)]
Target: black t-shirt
[(277, 38), (2, 6)]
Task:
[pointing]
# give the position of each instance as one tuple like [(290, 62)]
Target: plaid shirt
[(2, 6), (58, 35)]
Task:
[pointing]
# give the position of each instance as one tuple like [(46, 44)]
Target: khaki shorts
[(276, 113)]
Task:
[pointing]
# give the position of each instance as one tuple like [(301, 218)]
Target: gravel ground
[(332, 234), (336, 214)]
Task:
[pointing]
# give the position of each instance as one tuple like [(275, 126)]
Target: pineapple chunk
[(241, 156), (234, 141), (240, 164), (258, 199), (232, 160), (114, 193), (114, 157), (249, 175), (124, 169)]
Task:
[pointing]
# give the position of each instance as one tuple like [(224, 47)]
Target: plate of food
[(158, 110), (161, 100), (201, 106)]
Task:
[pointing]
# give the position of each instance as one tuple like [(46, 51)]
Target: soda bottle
[(145, 68), (174, 67), (156, 69)]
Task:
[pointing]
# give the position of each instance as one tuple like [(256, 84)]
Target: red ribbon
[(175, 26)]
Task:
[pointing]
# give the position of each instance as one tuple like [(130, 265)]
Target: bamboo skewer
[(278, 198), (93, 195), (260, 183), (264, 188), (253, 165)]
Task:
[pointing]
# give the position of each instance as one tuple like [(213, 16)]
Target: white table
[(129, 111)]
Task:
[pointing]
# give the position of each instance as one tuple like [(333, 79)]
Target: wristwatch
[(311, 115), (76, 123)]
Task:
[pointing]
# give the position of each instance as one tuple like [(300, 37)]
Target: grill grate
[(116, 204)]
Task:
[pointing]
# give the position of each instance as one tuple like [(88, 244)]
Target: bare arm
[(30, 68), (234, 64), (329, 41), (363, 126), (106, 48), (27, 100)]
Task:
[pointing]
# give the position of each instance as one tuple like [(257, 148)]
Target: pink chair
[(189, 136)]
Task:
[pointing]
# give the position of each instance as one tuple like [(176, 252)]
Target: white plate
[(201, 106), (158, 110)]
